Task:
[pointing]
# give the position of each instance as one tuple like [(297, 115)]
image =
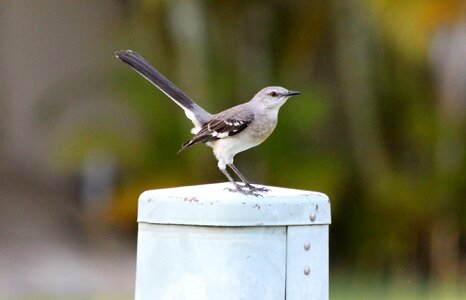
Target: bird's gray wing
[(225, 124)]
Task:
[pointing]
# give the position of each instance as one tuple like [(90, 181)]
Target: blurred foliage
[(409, 25), (403, 288), (369, 128)]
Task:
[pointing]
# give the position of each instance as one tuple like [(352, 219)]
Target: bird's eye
[(273, 94)]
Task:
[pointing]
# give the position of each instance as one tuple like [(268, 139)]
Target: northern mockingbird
[(228, 132)]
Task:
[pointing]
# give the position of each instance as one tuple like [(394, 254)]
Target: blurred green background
[(380, 127)]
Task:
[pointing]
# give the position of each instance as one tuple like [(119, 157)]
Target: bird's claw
[(244, 191), (257, 189), (249, 189)]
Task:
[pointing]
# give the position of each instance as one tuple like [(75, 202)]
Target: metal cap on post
[(202, 242)]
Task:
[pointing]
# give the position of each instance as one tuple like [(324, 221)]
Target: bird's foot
[(244, 191), (256, 189)]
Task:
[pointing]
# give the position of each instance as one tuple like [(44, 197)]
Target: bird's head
[(273, 96)]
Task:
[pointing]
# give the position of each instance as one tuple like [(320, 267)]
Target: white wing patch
[(222, 134), (219, 128)]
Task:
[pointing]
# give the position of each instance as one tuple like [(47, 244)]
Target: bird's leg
[(238, 188), (225, 172), (241, 176), (246, 182)]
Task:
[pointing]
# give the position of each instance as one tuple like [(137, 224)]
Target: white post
[(201, 242)]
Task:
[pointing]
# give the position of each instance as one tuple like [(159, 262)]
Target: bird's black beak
[(293, 93)]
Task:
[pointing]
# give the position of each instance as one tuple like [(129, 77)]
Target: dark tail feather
[(138, 63)]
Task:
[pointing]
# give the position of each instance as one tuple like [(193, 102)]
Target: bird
[(229, 132)]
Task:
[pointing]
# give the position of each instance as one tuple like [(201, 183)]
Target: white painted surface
[(212, 205), (203, 242), (307, 263), (192, 262)]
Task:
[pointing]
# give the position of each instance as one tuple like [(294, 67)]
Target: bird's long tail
[(194, 112)]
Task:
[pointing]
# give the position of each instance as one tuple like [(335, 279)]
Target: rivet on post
[(307, 270), (312, 216), (307, 246)]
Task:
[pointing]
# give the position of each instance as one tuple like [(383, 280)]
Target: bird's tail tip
[(121, 53)]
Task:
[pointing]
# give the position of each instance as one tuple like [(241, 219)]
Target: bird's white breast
[(225, 149)]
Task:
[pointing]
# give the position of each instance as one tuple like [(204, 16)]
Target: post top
[(212, 205)]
